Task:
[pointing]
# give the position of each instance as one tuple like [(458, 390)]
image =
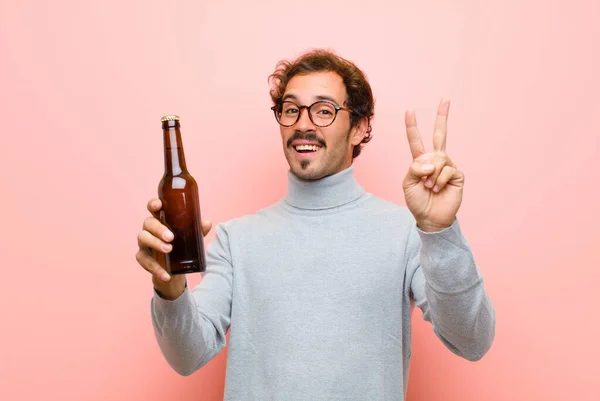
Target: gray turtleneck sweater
[(317, 292)]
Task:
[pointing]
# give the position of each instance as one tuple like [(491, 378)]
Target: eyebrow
[(318, 97)]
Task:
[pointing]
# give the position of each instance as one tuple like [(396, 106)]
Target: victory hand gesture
[(433, 186)]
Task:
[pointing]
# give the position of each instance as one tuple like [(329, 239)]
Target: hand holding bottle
[(154, 242)]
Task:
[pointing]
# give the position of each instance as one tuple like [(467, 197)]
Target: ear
[(359, 131)]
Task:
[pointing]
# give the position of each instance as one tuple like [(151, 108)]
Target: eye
[(324, 109), (289, 109)]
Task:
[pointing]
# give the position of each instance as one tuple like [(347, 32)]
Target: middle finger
[(159, 230), (149, 241), (441, 126)]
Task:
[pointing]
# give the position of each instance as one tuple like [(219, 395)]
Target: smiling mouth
[(306, 148)]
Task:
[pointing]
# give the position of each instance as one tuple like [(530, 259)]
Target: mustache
[(305, 137)]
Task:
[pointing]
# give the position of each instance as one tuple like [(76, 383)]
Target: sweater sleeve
[(191, 329), (448, 287)]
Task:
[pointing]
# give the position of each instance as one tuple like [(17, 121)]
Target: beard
[(332, 162)]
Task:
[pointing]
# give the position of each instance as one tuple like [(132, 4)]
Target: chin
[(308, 173), (315, 169)]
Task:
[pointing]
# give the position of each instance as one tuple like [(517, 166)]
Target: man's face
[(334, 143)]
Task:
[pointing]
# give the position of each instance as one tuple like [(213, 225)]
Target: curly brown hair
[(360, 96)]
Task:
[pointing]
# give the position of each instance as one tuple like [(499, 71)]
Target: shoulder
[(378, 206), (259, 220)]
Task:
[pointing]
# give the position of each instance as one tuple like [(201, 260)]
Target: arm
[(447, 286), (191, 329), (444, 280)]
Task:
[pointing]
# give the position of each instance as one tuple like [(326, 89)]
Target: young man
[(317, 290)]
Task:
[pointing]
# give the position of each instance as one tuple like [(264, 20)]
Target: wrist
[(429, 227), (172, 289)]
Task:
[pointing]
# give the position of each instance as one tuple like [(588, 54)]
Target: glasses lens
[(289, 113), (322, 113)]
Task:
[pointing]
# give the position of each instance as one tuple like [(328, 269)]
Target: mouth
[(305, 145), (306, 150)]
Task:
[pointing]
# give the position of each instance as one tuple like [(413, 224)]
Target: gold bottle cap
[(169, 118)]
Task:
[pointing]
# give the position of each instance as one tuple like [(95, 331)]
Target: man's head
[(324, 139)]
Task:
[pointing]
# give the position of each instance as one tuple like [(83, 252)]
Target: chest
[(319, 269)]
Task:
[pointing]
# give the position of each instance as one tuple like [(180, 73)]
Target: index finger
[(412, 133), (441, 126), (154, 205)]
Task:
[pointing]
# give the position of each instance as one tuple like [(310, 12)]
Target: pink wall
[(82, 88)]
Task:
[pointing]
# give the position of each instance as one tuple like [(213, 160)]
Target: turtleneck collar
[(325, 193)]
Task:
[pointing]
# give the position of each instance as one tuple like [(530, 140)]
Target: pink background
[(84, 84)]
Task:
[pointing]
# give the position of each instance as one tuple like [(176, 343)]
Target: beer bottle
[(180, 211)]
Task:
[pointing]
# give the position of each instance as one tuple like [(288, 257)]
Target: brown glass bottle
[(180, 212)]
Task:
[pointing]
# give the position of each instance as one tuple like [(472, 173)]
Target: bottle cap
[(169, 118)]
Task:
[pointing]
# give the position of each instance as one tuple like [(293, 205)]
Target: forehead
[(308, 87)]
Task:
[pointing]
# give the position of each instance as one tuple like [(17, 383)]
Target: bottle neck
[(174, 157)]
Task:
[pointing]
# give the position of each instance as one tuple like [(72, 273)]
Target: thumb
[(206, 226), (418, 170)]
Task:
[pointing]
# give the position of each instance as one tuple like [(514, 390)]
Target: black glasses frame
[(277, 112)]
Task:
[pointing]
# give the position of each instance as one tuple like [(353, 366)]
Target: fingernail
[(166, 247), (427, 167), (428, 183), (165, 277), (436, 188), (155, 203), (168, 235)]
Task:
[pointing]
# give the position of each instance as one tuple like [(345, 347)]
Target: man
[(318, 288)]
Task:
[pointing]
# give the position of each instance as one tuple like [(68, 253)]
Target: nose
[(304, 123)]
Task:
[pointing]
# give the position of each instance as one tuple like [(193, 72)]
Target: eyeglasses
[(321, 113)]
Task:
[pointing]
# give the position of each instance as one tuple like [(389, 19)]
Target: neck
[(174, 156), (325, 193)]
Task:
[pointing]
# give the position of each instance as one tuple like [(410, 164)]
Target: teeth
[(308, 147)]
